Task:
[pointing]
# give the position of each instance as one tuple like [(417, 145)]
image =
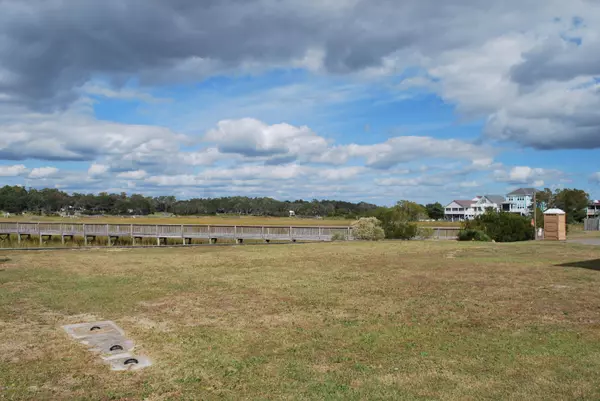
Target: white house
[(488, 202), (460, 210), (519, 201), (593, 209)]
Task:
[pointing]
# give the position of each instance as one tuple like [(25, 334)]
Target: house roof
[(497, 199), (554, 211), (523, 191), (595, 203), (464, 203)]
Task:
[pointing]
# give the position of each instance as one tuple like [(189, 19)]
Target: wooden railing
[(184, 231), (188, 232)]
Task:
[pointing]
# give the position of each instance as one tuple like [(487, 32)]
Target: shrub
[(338, 237), (473, 235), (503, 227), (398, 221), (425, 232), (368, 228), (401, 230)]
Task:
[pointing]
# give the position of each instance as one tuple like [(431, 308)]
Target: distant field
[(342, 321), (226, 220)]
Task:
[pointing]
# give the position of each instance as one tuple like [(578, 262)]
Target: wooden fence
[(592, 224), (182, 231), (187, 232)]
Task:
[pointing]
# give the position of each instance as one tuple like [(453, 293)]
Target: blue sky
[(301, 99)]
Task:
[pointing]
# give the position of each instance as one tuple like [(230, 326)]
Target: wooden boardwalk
[(161, 232), (186, 232)]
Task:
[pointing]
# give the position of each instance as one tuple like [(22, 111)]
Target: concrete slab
[(128, 362), (109, 340), (108, 344), (84, 330)]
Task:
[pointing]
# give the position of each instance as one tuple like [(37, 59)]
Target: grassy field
[(347, 321), (225, 220)]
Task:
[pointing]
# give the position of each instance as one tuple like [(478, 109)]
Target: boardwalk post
[(348, 237), (235, 232), (182, 236), (62, 233), (131, 232), (84, 236), (291, 237), (40, 233), (108, 235), (157, 236), (18, 234)]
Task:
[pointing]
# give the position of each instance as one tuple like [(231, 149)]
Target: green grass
[(347, 321), (204, 220)]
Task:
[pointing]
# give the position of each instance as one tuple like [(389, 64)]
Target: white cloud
[(253, 138), (524, 175), (76, 135), (123, 94), (43, 172), (132, 175), (13, 171), (595, 177), (96, 170), (409, 148)]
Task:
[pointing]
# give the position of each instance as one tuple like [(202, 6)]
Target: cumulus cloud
[(96, 170), (285, 143), (409, 148), (43, 172), (13, 171), (132, 175), (253, 138), (491, 59), (525, 175), (76, 136)]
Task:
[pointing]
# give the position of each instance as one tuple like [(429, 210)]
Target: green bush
[(368, 228), (473, 235), (503, 227), (338, 237), (425, 232), (398, 222), (401, 230)]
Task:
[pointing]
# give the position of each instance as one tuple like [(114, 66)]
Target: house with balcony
[(593, 209), (519, 201), (487, 202), (461, 210)]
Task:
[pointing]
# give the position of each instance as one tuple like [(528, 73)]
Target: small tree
[(368, 228), (502, 227), (435, 211)]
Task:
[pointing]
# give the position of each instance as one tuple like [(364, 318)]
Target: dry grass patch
[(391, 320)]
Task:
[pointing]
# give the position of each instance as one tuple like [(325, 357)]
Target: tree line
[(16, 199)]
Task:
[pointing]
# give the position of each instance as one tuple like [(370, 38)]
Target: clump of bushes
[(473, 235), (502, 226), (401, 230), (399, 221), (338, 237), (425, 232), (369, 229)]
